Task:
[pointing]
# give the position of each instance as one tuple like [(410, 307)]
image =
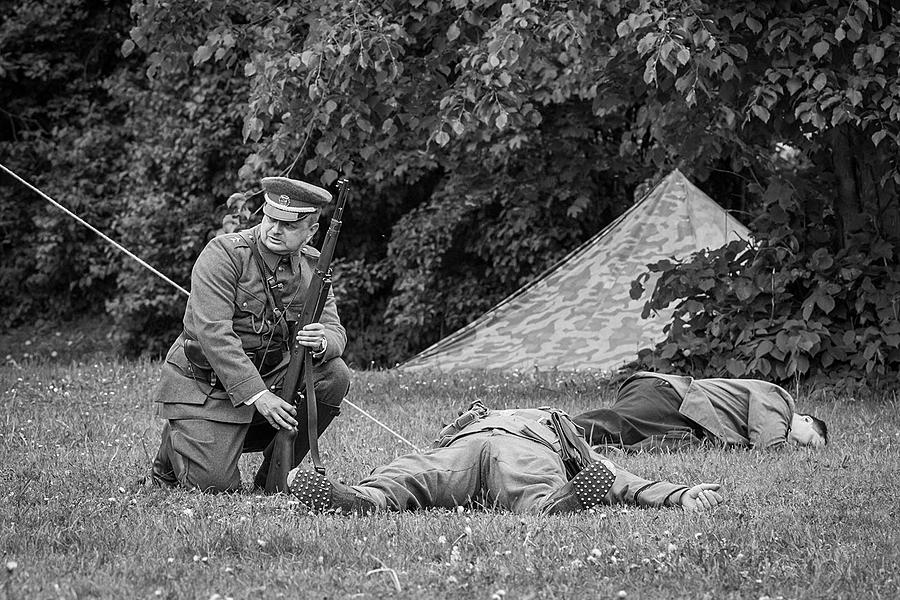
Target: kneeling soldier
[(220, 382)]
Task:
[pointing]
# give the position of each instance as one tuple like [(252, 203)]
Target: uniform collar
[(271, 259)]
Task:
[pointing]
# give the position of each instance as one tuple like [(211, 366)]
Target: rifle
[(300, 367)]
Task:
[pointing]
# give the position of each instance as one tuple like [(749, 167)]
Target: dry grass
[(73, 439)]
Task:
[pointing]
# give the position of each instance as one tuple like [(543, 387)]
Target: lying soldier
[(652, 411), (522, 460)]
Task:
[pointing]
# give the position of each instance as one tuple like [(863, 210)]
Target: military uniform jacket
[(228, 314), (536, 425)]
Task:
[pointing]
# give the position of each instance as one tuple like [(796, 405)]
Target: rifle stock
[(300, 366)]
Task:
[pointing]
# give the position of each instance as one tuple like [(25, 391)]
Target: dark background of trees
[(485, 139)]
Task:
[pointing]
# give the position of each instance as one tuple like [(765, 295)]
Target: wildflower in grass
[(11, 566)]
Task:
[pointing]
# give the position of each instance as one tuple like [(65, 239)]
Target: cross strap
[(272, 294)]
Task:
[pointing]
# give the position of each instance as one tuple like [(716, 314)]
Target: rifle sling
[(312, 416)]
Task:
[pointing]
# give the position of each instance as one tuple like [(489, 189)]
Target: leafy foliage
[(809, 89), (782, 308), (484, 139), (54, 130), (468, 128), (818, 78)]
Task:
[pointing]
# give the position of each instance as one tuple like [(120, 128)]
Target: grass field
[(73, 439)]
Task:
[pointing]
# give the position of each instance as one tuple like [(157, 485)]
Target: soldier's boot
[(318, 494), (162, 473), (584, 491), (326, 413)]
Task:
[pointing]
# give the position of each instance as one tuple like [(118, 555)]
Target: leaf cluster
[(782, 307)]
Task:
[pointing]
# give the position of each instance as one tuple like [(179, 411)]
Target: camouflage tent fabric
[(578, 315)]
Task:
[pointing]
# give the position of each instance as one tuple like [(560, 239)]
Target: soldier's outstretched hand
[(701, 497)]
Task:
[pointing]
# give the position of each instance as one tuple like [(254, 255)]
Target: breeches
[(205, 454), (490, 468), (644, 408)]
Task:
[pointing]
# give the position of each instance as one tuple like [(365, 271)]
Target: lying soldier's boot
[(317, 494), (584, 491)]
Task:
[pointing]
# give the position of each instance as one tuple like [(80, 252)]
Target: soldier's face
[(803, 433), (287, 237)]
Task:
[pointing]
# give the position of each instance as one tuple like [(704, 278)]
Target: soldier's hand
[(312, 336), (278, 413), (701, 497)]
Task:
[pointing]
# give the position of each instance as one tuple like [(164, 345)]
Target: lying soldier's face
[(804, 433)]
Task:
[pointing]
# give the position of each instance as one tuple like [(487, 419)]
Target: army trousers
[(204, 454), (489, 469)]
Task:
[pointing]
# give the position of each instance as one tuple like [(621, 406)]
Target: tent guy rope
[(105, 237), (156, 272)]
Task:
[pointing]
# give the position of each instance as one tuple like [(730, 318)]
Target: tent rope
[(105, 237)]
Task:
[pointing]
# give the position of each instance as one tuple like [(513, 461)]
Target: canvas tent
[(578, 315)]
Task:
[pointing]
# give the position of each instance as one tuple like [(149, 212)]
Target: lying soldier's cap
[(290, 199)]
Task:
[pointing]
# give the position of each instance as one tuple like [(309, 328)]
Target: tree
[(820, 79), (485, 139), (810, 91), (482, 134), (60, 129)]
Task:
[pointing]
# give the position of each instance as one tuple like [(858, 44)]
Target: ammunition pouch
[(265, 361)]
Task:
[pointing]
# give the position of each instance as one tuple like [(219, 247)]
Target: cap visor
[(285, 215)]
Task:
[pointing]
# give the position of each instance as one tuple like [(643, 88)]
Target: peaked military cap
[(291, 199)]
